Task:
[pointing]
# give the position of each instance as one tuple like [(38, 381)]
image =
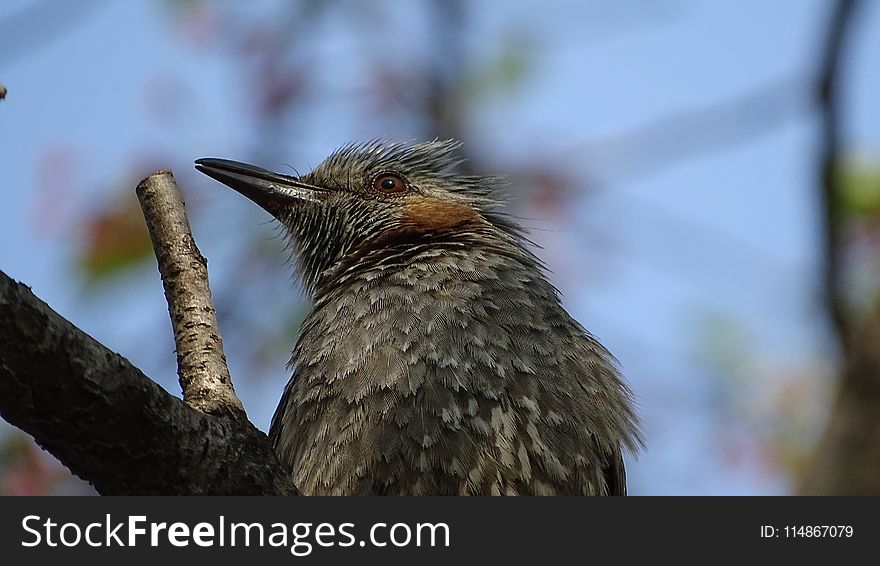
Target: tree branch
[(847, 459), (105, 420), (201, 364), (110, 424), (827, 96)]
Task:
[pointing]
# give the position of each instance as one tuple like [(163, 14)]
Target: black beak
[(269, 190)]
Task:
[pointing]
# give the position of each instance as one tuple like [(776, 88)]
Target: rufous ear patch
[(436, 214)]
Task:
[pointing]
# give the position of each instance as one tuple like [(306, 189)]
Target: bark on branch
[(109, 423), (201, 364)]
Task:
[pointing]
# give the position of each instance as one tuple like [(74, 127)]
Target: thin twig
[(201, 364)]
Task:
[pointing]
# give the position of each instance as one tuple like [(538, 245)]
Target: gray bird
[(436, 359)]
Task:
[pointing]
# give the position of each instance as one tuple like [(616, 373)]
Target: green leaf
[(859, 182)]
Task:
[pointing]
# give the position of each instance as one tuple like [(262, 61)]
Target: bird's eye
[(389, 183)]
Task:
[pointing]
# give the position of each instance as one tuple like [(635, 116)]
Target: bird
[(437, 358)]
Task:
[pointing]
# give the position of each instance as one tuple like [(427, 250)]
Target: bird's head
[(369, 197)]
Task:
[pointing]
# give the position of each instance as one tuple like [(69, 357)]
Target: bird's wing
[(277, 425), (615, 475)]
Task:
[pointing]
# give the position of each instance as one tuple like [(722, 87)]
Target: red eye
[(389, 183)]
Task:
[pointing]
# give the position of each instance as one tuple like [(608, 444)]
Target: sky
[(704, 234)]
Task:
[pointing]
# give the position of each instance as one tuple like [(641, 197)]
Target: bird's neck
[(499, 259)]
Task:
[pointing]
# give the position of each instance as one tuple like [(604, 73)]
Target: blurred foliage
[(114, 238), (859, 181), (503, 74), (766, 410), (27, 470)]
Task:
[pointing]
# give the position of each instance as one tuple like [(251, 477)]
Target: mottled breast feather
[(451, 370)]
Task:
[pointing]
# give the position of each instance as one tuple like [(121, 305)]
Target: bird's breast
[(434, 380)]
